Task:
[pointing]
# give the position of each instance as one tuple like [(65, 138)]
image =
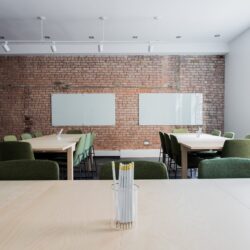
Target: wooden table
[(50, 143), (172, 214), (190, 142)]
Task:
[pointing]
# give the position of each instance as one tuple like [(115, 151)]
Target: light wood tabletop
[(172, 214), (51, 143), (191, 142)]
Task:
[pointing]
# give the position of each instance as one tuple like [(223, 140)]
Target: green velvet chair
[(29, 170), (224, 168), (168, 150), (229, 135), (143, 170), (74, 131), (193, 160), (37, 134), (26, 136), (180, 130), (9, 138), (236, 148), (15, 150), (216, 132), (163, 149), (247, 137)]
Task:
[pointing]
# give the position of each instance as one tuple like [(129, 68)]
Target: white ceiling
[(197, 21)]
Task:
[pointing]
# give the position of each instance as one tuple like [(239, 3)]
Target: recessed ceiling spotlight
[(2, 37), (47, 37), (41, 18), (217, 35), (102, 18), (178, 37), (135, 37), (91, 37), (156, 17)]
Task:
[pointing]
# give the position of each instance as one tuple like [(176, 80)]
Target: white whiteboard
[(83, 109), (170, 109)]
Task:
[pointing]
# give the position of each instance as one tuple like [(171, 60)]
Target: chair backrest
[(37, 133), (247, 137), (176, 149), (79, 151), (143, 170), (168, 145), (229, 135), (26, 136), (87, 145), (9, 138), (29, 170), (216, 132), (163, 142), (74, 131), (180, 130), (236, 148), (16, 150), (224, 168)]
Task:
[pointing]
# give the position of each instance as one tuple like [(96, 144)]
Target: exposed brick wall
[(26, 84)]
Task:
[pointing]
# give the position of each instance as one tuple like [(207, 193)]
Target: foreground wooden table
[(50, 143), (190, 142), (172, 214)]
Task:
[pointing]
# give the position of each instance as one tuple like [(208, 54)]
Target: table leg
[(184, 162), (70, 167)]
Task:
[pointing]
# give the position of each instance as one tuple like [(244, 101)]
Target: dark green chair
[(15, 150), (37, 134), (236, 148), (229, 135), (216, 132), (143, 170), (224, 168), (180, 130), (168, 150), (247, 137), (29, 170), (9, 138), (163, 150), (193, 160), (74, 131), (26, 136)]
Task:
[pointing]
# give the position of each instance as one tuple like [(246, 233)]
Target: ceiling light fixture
[(100, 45), (178, 37), (217, 35), (135, 37), (53, 47), (150, 47), (6, 47)]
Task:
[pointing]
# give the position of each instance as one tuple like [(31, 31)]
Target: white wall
[(237, 86)]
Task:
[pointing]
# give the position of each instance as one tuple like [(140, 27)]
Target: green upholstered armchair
[(180, 130), (229, 135), (26, 136), (236, 148), (29, 170), (15, 150), (74, 131), (143, 170), (224, 168), (9, 138), (37, 134), (216, 132)]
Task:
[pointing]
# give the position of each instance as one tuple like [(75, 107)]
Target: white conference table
[(191, 142), (172, 215), (50, 143)]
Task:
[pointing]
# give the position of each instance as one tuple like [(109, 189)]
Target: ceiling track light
[(53, 47), (150, 48), (6, 47), (100, 47)]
